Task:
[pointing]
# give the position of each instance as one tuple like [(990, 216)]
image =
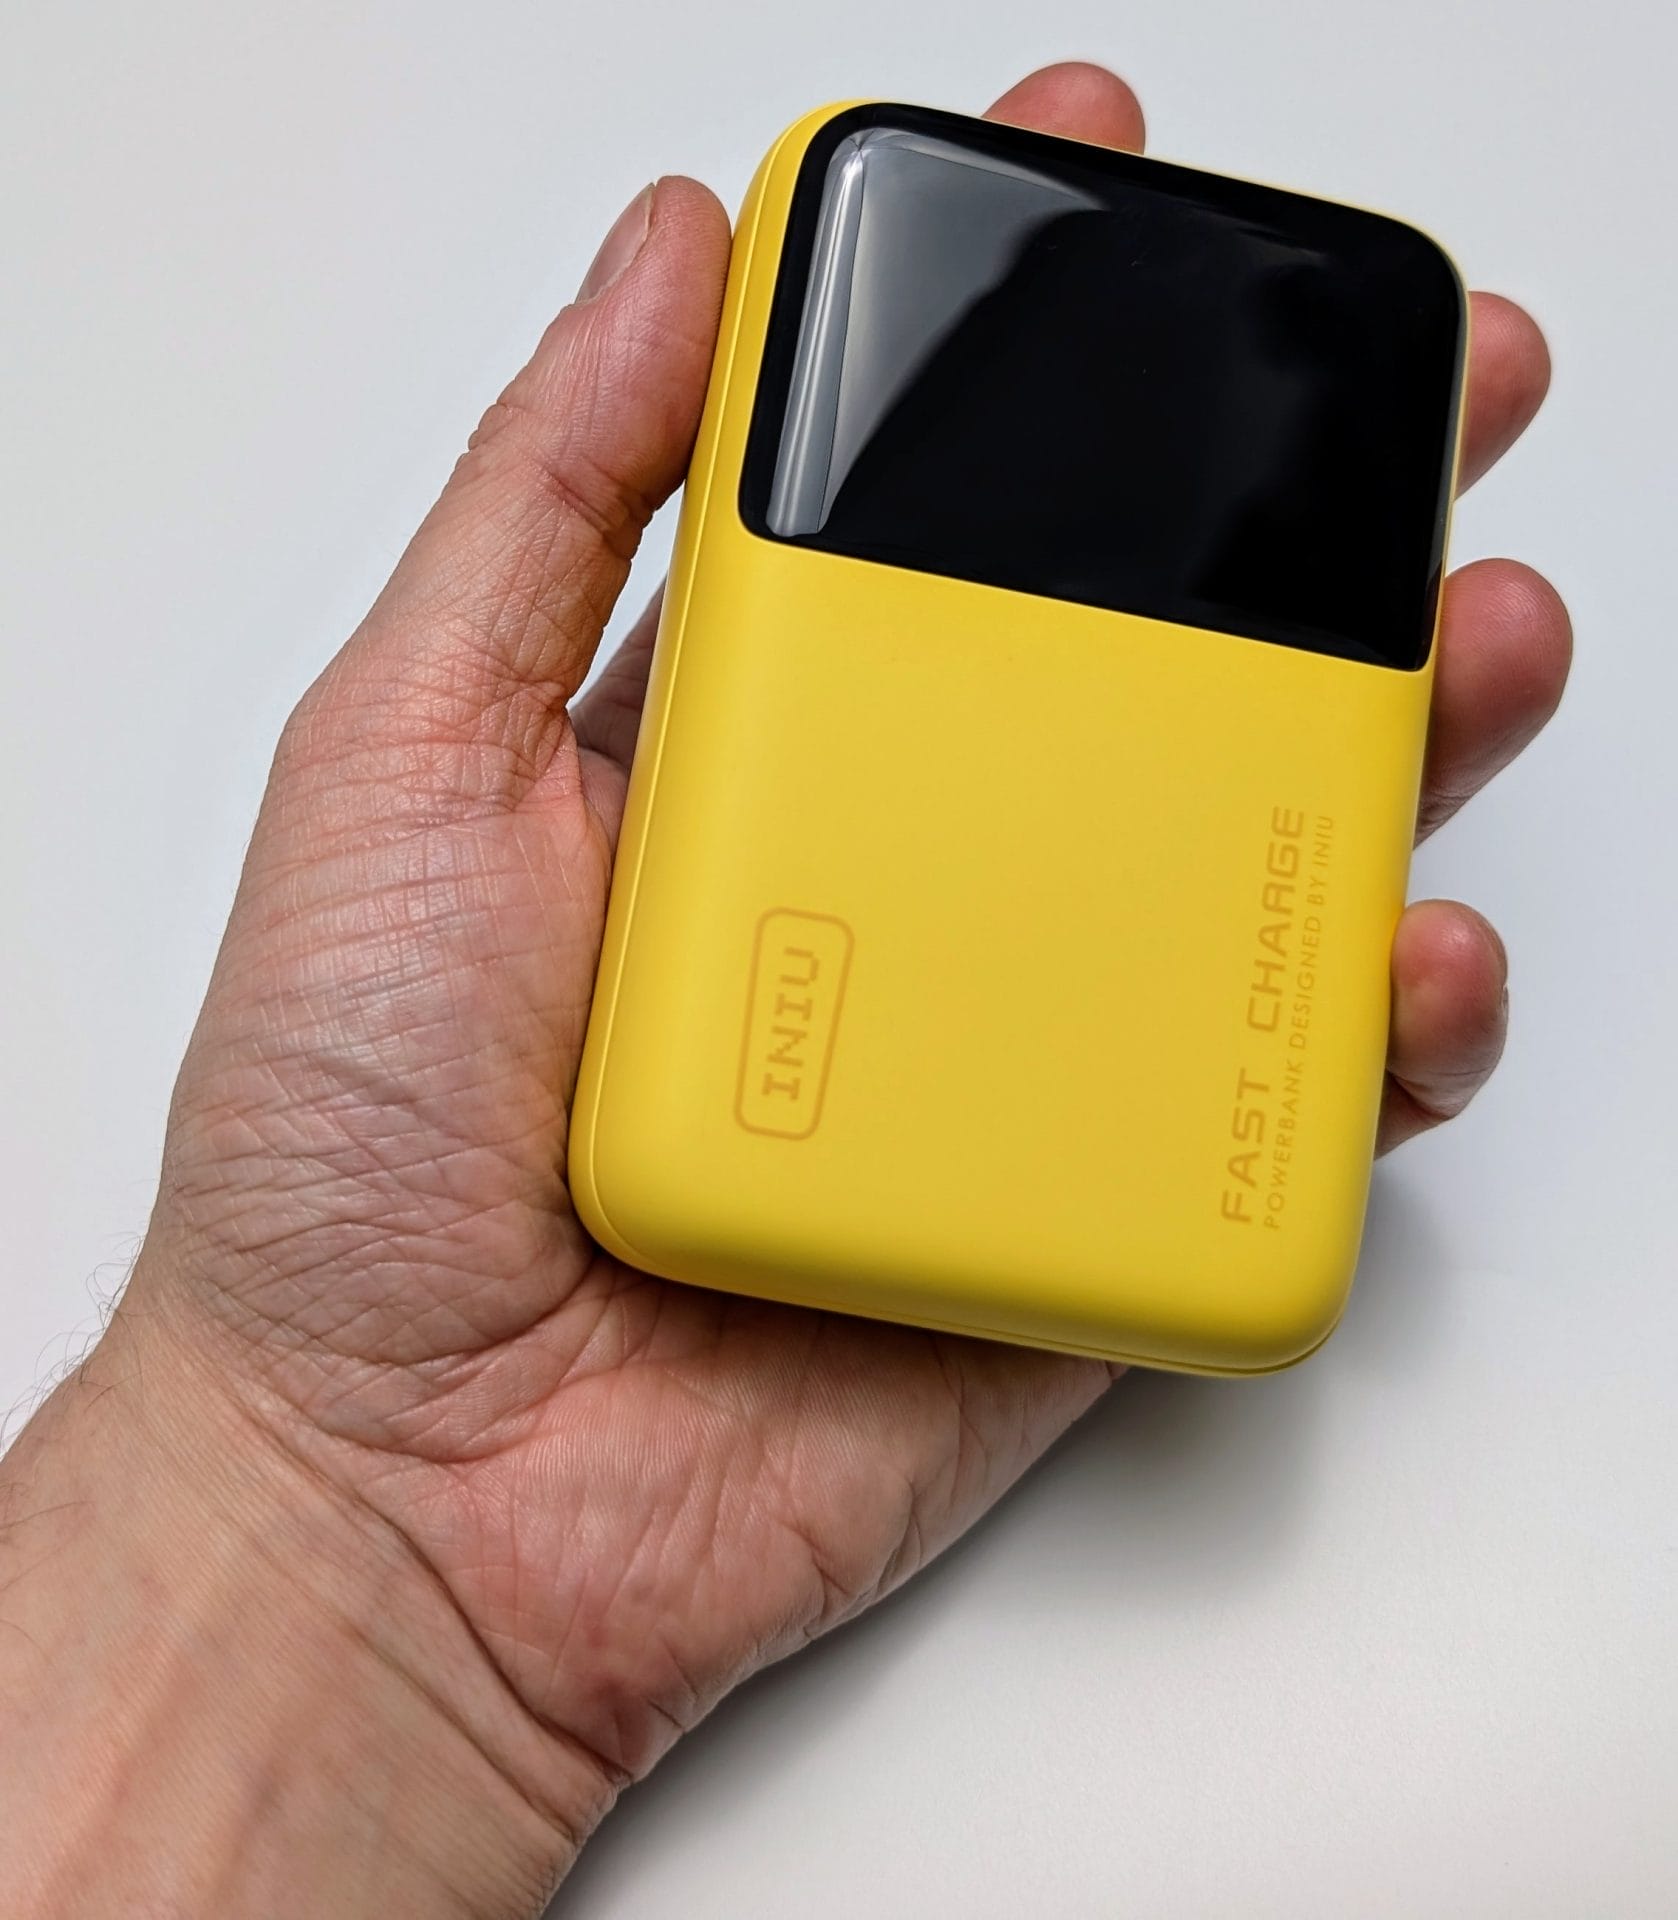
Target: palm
[(365, 1182), (744, 1474)]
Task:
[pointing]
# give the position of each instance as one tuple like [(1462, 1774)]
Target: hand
[(466, 1517)]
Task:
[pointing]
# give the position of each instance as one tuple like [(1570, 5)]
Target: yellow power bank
[(1023, 803)]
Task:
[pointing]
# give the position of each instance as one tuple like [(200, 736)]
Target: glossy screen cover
[(1092, 377)]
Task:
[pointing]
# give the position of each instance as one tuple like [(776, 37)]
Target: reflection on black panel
[(1102, 379)]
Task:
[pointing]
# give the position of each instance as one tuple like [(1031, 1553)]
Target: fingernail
[(619, 247)]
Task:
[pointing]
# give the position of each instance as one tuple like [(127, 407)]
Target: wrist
[(228, 1688)]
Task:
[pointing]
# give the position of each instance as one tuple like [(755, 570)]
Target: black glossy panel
[(1099, 378)]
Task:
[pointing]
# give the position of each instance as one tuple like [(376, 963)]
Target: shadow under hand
[(1174, 1496)]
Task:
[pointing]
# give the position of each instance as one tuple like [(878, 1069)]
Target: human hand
[(472, 1520)]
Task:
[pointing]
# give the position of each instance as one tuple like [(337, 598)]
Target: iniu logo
[(800, 962)]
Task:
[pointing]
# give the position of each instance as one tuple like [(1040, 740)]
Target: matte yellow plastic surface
[(988, 962)]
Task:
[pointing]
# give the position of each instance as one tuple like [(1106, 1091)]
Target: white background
[(1395, 1634)]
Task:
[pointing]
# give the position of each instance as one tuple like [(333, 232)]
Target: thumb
[(450, 699)]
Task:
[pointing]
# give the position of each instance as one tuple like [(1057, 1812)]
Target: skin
[(393, 1527)]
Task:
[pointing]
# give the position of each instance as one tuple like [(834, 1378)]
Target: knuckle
[(547, 456)]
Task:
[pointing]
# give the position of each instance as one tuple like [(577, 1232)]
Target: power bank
[(1023, 802)]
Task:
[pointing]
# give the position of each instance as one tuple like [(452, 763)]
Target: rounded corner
[(586, 1199), (1301, 1319), (797, 137), (1443, 260)]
